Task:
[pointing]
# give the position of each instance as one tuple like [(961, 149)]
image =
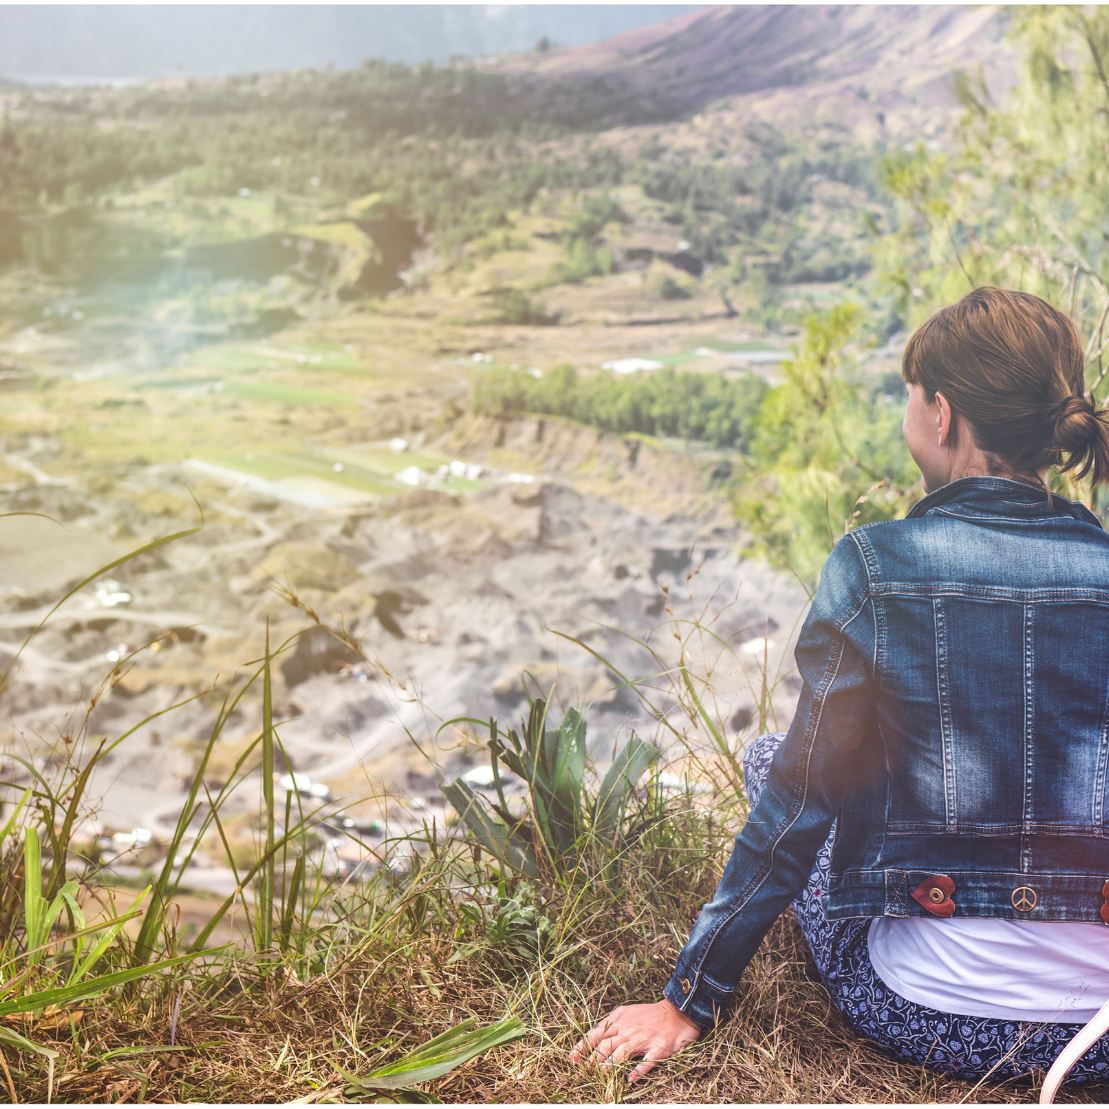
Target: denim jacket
[(953, 724)]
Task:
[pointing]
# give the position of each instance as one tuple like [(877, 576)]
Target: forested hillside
[(250, 203)]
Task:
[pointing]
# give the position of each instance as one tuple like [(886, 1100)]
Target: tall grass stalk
[(44, 971), (264, 904)]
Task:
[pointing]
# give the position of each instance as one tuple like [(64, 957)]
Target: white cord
[(1087, 1036)]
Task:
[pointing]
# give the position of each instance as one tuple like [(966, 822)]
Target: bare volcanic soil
[(459, 606), (844, 60)]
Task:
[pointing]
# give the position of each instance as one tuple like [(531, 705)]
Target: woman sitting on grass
[(938, 812)]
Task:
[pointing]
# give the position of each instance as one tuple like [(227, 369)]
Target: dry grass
[(349, 979), (241, 1039)]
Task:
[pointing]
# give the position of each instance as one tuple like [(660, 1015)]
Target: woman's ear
[(945, 422)]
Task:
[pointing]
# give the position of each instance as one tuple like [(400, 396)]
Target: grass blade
[(442, 1054), (221, 912), (14, 1039), (293, 892), (62, 838), (103, 943), (33, 905), (64, 995), (265, 899), (631, 761), (9, 826), (165, 885), (88, 930)]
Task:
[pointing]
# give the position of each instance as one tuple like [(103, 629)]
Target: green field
[(370, 471), (232, 360), (262, 355), (182, 383), (271, 391), (280, 465), (674, 359), (287, 394), (722, 346), (381, 460), (726, 347)]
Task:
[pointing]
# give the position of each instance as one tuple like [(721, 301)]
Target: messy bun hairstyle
[(1013, 367)]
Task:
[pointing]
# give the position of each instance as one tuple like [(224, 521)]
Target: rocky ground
[(459, 607)]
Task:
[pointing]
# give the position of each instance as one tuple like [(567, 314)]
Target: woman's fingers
[(650, 1058), (647, 1032), (629, 1048), (594, 1036), (611, 1041)]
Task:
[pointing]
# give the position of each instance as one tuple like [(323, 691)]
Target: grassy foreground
[(462, 969)]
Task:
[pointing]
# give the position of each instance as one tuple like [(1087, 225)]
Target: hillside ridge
[(713, 53)]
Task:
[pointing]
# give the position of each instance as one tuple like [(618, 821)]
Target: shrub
[(826, 454), (513, 306), (705, 407)]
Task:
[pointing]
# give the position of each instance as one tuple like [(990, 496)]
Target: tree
[(826, 456), (1023, 199)]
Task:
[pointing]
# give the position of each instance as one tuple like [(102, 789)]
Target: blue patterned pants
[(968, 1047)]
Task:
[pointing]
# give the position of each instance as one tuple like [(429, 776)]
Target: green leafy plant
[(561, 814), (395, 1081), (514, 929)]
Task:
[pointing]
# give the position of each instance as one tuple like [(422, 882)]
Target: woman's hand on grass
[(651, 1032)]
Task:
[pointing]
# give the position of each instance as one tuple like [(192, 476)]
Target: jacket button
[(1023, 899), (1105, 891), (934, 895), (1105, 912), (686, 987)]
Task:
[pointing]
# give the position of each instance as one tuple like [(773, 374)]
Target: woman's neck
[(967, 459)]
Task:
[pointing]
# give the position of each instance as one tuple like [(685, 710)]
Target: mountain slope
[(676, 67)]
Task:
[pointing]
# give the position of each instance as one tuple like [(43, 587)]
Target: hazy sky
[(149, 40)]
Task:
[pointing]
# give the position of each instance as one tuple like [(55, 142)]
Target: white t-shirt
[(985, 967)]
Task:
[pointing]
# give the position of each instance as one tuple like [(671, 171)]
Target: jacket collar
[(1001, 496)]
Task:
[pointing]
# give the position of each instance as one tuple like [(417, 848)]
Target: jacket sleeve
[(777, 847)]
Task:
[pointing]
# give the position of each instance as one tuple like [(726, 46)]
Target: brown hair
[(1013, 367)]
